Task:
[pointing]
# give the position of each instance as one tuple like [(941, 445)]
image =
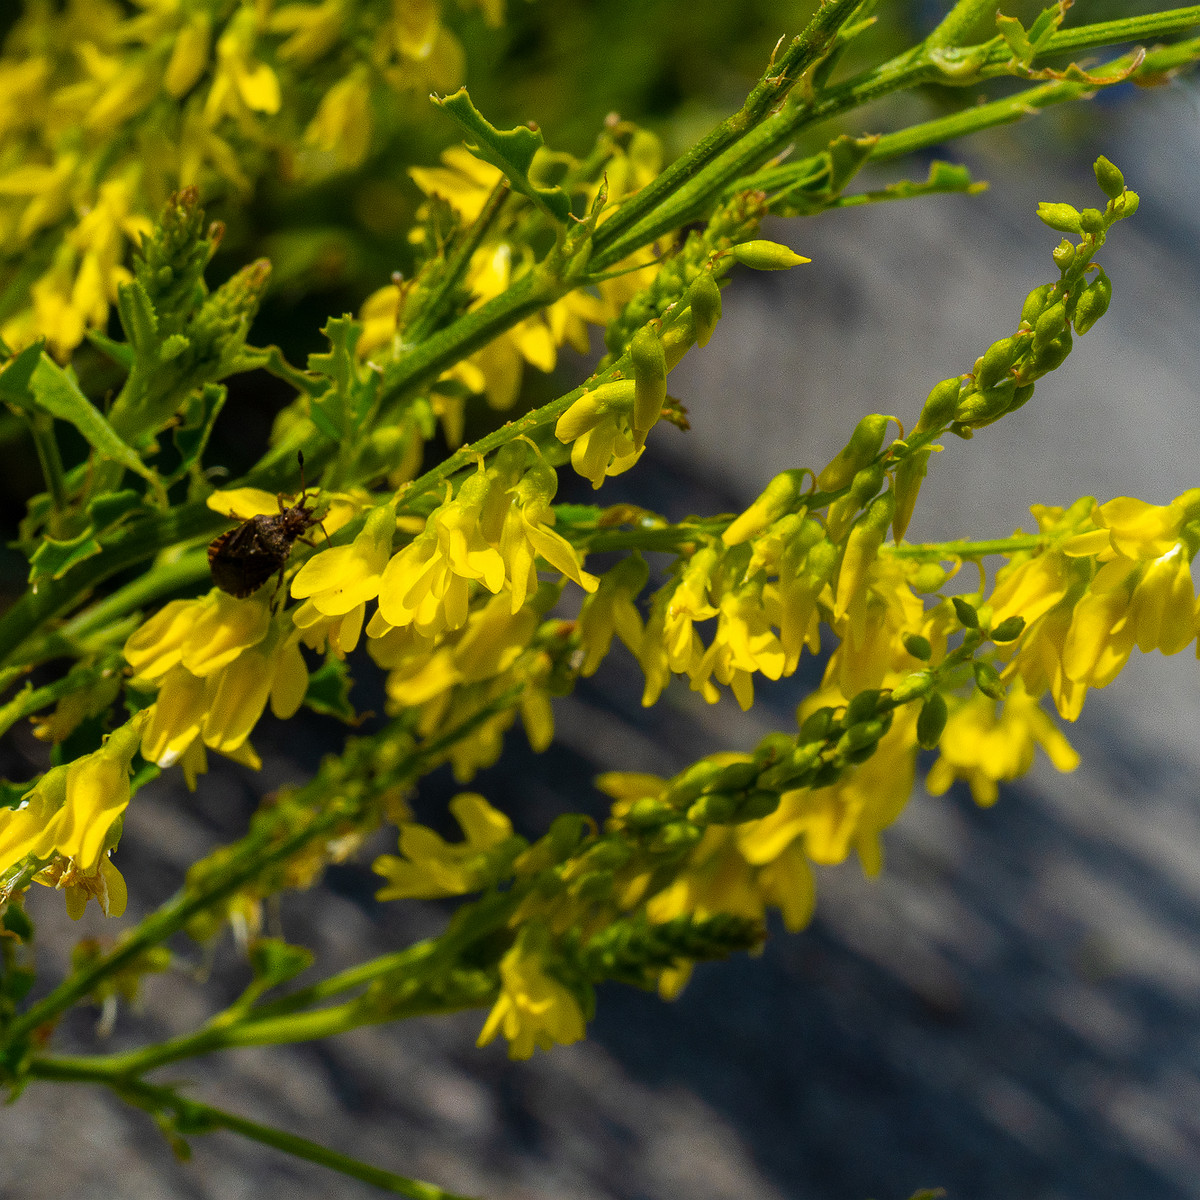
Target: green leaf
[(120, 352), (329, 692), (106, 510), (16, 374), (275, 961), (510, 150), (1013, 32), (55, 391), (200, 411), (53, 559), (138, 319)]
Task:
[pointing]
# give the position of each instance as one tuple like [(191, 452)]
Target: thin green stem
[(41, 426), (966, 548), (253, 855), (184, 1117), (425, 320), (678, 179)]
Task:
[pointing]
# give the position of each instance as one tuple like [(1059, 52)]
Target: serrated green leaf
[(1013, 32), (509, 150), (200, 411), (329, 692), (54, 391), (846, 157), (120, 352), (53, 559), (138, 318), (328, 424), (106, 510), (1046, 24)]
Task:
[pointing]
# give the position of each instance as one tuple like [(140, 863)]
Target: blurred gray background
[(1010, 1011)]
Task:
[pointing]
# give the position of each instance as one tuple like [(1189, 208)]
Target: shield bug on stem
[(243, 559)]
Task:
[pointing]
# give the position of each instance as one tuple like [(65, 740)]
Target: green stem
[(253, 855), (423, 322), (125, 548), (41, 426), (677, 179), (193, 1116), (965, 548), (28, 702)]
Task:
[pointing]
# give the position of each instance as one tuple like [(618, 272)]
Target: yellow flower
[(432, 867), (827, 823), (598, 427), (610, 610), (341, 127), (533, 1009), (340, 579), (742, 645), (216, 662), (314, 29), (988, 743), (70, 815)]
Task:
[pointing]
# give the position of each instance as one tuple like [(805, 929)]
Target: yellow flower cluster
[(1109, 577), (215, 662), (104, 113), (464, 182), (69, 822)]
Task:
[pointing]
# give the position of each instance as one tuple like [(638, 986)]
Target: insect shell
[(243, 559)]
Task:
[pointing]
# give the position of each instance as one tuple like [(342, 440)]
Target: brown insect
[(243, 559)]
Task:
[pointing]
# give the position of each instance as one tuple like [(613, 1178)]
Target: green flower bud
[(713, 808), (932, 721), (778, 497), (862, 447), (968, 618), (928, 577), (1009, 630), (1111, 181), (918, 647), (757, 805), (940, 406), (649, 377), (913, 687), (1124, 205), (1063, 255), (1049, 325), (908, 479), (860, 736), (1061, 217), (1092, 220), (681, 835), (1093, 303), (987, 679), (735, 777), (1049, 357), (865, 485), (997, 360), (1035, 302), (798, 763), (862, 706), (649, 813), (817, 726), (704, 296), (688, 785), (761, 255)]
